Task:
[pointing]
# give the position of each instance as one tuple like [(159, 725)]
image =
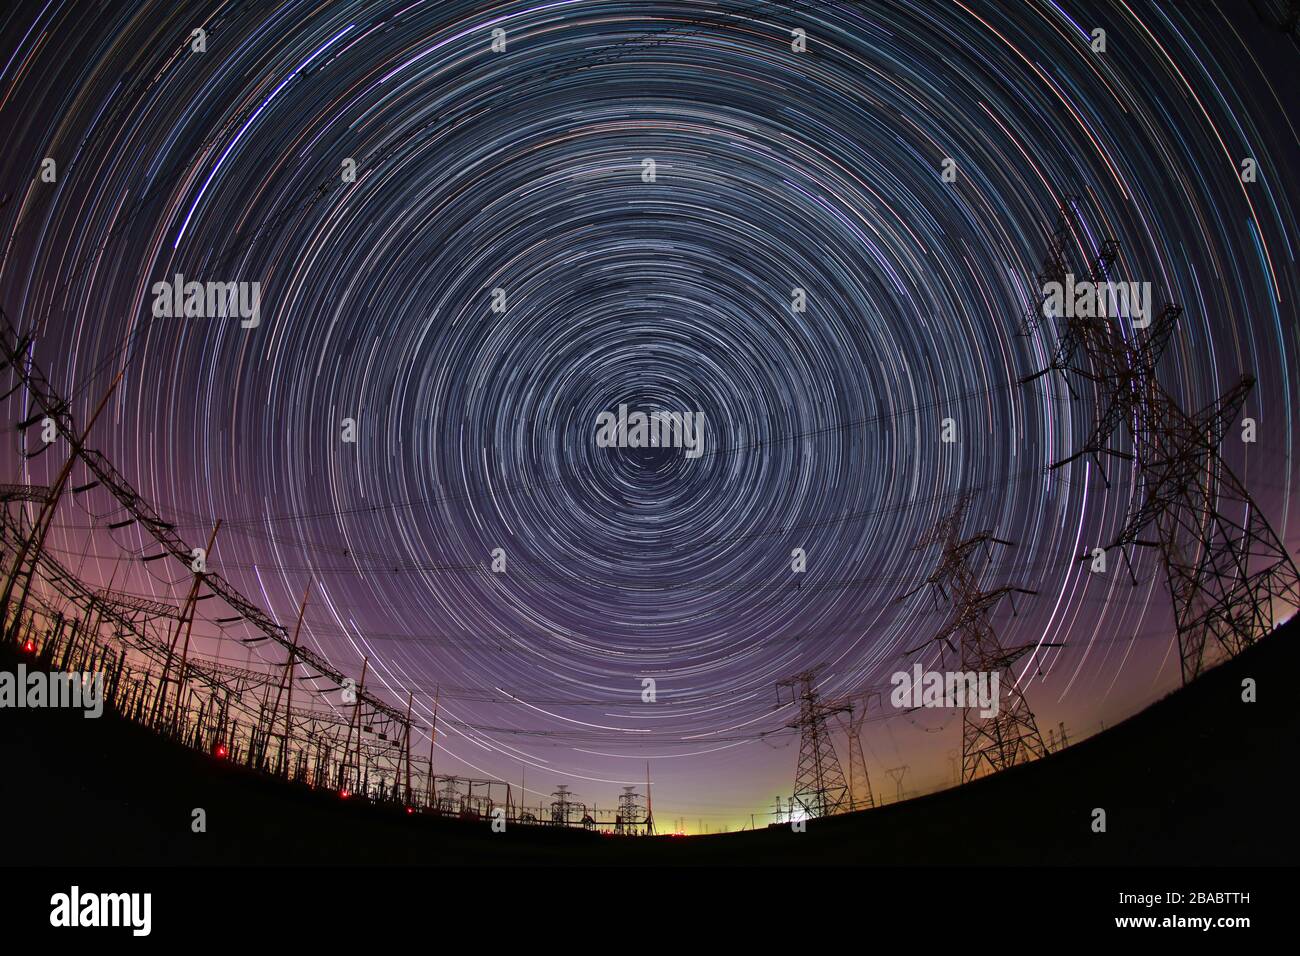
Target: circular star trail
[(560, 208)]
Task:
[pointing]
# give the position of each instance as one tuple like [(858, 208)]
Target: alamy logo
[(1098, 300), (82, 691), (946, 689), (656, 429), (208, 300), (103, 909)]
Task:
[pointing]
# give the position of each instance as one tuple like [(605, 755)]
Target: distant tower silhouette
[(819, 785), (449, 799), (629, 811), (898, 773), (860, 796), (561, 806)]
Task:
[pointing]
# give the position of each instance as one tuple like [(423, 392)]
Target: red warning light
[(29, 646), (221, 752), (343, 794), (409, 810)]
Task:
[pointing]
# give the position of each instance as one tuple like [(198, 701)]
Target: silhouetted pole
[(286, 682), (354, 722), (410, 700), (649, 804), (45, 516), (184, 622), (433, 735)]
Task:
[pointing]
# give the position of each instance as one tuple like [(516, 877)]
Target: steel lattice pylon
[(1010, 736), (819, 785), (990, 744), (629, 811), (1225, 567), (860, 795)]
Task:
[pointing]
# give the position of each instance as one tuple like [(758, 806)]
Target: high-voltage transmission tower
[(629, 811), (819, 785), (897, 774), (562, 806), (1226, 569), (1010, 736), (860, 796)]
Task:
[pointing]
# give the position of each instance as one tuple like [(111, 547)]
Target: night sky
[(524, 170)]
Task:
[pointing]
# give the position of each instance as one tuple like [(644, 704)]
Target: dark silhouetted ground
[(1198, 778)]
